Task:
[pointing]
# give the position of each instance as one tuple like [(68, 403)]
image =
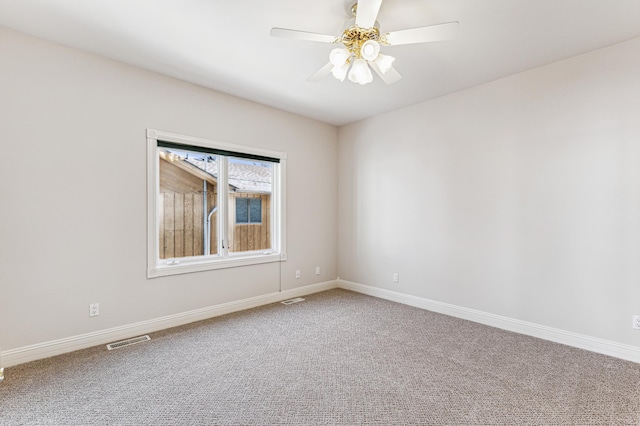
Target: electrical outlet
[(298, 274), (317, 270), (636, 322), (94, 309), (396, 278)]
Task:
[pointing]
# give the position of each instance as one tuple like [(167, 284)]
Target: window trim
[(157, 267)]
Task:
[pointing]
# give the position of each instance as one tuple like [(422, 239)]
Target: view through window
[(213, 205)]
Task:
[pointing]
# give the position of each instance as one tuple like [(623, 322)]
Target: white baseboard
[(56, 347), (593, 344)]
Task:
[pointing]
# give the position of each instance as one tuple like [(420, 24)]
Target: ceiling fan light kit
[(362, 41), (362, 48), (356, 58)]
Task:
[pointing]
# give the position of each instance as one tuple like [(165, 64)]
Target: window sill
[(187, 266)]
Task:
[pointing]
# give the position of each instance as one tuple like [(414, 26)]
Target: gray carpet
[(339, 358)]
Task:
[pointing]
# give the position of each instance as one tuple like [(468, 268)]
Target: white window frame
[(157, 267)]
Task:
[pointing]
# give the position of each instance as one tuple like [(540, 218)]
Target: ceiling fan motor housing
[(355, 37)]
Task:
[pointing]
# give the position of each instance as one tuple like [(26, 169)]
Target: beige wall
[(73, 191), (519, 198)]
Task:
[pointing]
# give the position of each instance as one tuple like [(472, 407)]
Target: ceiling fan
[(362, 40)]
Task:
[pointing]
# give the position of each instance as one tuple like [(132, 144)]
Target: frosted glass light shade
[(338, 57), (340, 72), (370, 50), (360, 72), (384, 62)]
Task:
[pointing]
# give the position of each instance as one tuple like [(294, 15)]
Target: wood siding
[(251, 236), (181, 215)]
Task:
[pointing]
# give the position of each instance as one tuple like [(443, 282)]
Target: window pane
[(242, 211), (250, 186), (187, 200), (255, 210)]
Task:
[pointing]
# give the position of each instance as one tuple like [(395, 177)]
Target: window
[(212, 205), (249, 210)]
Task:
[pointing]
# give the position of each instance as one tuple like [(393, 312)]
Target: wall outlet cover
[(94, 309)]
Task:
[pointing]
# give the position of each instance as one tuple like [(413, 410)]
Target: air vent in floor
[(290, 301), (128, 342)]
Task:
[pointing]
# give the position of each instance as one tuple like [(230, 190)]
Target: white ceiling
[(225, 44)]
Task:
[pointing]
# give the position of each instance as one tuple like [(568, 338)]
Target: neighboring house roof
[(244, 175), (247, 177)]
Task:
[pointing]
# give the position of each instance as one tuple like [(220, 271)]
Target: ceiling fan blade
[(321, 73), (367, 13), (390, 77), (302, 35), (439, 32)]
